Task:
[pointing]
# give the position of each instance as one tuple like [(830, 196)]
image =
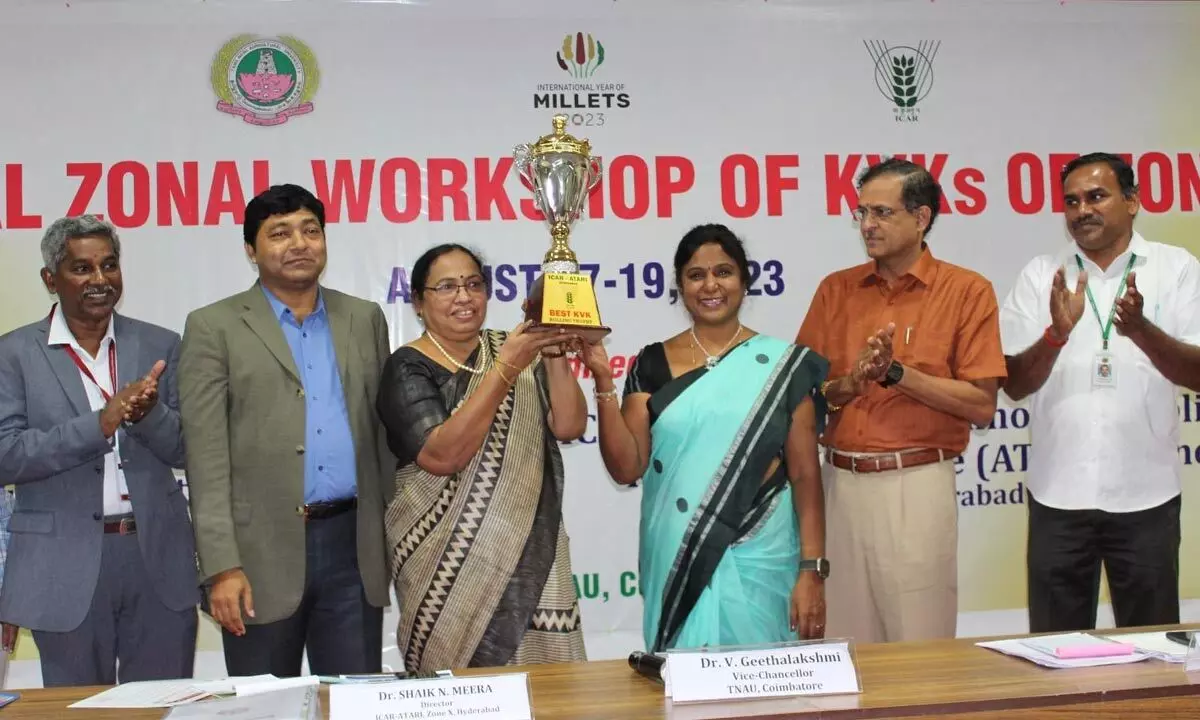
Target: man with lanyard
[(100, 563), (1099, 335)]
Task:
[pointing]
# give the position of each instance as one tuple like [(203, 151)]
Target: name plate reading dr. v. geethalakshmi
[(781, 671), (494, 697)]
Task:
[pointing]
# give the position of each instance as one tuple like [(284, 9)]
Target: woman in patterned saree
[(478, 552), (721, 425)]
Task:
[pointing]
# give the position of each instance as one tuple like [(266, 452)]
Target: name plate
[(812, 669), (496, 697)]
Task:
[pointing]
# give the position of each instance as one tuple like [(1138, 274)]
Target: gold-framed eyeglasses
[(447, 289), (882, 213)]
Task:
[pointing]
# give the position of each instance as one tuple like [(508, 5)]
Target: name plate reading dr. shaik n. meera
[(811, 669), (494, 697)]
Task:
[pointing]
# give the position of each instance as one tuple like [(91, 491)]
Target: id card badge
[(1104, 371)]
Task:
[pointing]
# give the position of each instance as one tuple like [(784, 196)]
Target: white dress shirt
[(114, 476), (1107, 448)]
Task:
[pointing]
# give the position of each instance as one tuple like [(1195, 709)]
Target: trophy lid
[(560, 141)]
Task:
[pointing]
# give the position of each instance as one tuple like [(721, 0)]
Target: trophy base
[(592, 334), (565, 301)]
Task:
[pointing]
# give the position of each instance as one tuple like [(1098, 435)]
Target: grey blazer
[(243, 419), (52, 449)]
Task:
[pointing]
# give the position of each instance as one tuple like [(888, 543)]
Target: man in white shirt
[(101, 560), (1099, 334)]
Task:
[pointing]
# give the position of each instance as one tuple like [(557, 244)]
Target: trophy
[(561, 171)]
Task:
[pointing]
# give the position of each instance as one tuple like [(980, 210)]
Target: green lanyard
[(1106, 329)]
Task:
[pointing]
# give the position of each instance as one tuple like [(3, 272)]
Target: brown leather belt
[(884, 462), (124, 526)]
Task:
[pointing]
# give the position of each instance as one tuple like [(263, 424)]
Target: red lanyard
[(112, 363)]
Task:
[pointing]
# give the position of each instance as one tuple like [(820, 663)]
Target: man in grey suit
[(101, 563), (286, 462)]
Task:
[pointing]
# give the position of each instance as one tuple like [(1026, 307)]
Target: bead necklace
[(449, 357)]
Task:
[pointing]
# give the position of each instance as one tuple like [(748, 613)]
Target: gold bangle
[(606, 396), (830, 407), (515, 369), (502, 376)]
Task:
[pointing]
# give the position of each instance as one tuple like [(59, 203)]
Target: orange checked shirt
[(947, 325)]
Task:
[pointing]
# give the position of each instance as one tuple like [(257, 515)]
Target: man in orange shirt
[(915, 360)]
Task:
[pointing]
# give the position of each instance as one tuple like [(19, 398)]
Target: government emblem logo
[(265, 81), (903, 74)]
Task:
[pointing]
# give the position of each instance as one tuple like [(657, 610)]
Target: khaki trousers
[(892, 542)]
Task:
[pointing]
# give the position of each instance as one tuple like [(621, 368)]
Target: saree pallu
[(719, 544), (480, 559)]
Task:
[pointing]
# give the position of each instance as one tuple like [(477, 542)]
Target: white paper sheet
[(170, 693), (1018, 648), (149, 694), (229, 686), (1154, 644), (297, 703), (265, 686)]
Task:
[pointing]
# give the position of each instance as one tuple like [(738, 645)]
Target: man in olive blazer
[(286, 463)]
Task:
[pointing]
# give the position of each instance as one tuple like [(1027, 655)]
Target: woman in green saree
[(720, 424)]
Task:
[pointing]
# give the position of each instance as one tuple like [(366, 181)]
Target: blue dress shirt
[(329, 463)]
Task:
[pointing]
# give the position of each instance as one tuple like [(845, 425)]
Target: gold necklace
[(710, 361), (449, 357)]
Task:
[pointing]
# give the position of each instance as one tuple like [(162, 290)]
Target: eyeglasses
[(447, 290), (882, 213)]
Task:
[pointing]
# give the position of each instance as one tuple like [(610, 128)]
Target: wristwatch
[(819, 565), (894, 372)]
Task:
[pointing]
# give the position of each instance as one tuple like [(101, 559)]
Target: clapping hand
[(1066, 306), (144, 394), (875, 358), (1128, 318), (132, 402)]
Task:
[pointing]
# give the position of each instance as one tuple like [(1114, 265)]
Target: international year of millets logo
[(580, 55), (265, 81), (904, 74)]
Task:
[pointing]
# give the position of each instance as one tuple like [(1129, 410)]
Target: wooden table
[(913, 680)]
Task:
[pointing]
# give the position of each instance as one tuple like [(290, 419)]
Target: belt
[(883, 462), (124, 526), (326, 509)]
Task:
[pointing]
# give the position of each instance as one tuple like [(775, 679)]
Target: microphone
[(647, 664)]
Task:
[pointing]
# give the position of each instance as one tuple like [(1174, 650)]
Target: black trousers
[(1140, 552), (342, 632)]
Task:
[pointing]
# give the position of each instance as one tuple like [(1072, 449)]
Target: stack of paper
[(294, 703), (146, 694), (172, 693), (1043, 650), (1155, 644)]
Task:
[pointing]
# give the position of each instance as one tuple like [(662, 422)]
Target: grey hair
[(63, 230)]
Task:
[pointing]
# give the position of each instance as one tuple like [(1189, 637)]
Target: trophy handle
[(522, 165), (597, 172), (526, 177)]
